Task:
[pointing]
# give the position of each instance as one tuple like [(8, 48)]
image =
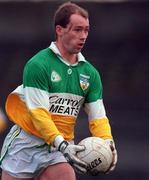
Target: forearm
[(100, 128), (42, 121)]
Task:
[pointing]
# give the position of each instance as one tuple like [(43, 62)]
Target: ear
[(59, 30)]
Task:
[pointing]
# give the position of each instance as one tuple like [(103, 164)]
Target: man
[(57, 82)]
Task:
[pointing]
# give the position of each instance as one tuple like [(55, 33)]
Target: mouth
[(80, 45)]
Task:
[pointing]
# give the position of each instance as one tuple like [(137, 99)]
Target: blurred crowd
[(3, 121)]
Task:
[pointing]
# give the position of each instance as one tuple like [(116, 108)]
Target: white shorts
[(25, 156)]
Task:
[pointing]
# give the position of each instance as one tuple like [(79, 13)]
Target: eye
[(78, 30), (87, 30)]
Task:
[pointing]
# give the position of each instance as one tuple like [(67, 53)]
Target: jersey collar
[(54, 48)]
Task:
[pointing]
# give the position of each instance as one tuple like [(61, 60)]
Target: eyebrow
[(78, 26), (82, 26)]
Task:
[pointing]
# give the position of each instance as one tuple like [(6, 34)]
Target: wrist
[(57, 141), (110, 142), (63, 145)]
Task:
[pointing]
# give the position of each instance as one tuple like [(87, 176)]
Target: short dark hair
[(63, 13)]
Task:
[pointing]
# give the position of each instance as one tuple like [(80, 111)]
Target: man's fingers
[(80, 169), (79, 162), (79, 148)]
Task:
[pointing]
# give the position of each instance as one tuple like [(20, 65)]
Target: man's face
[(73, 37)]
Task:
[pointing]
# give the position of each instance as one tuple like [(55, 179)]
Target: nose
[(84, 35)]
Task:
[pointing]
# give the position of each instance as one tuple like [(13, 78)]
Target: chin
[(78, 50)]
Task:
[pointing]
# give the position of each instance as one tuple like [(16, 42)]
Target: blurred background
[(118, 46)]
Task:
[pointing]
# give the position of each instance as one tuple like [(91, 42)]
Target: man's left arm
[(99, 125)]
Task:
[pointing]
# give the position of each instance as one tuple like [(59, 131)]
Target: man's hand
[(69, 151), (110, 142)]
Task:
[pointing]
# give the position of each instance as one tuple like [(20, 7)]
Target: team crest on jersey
[(55, 77), (84, 81)]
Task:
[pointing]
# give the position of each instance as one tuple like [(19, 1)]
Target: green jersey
[(52, 84)]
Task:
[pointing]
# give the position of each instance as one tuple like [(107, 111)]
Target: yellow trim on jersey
[(19, 114), (65, 125), (100, 128), (43, 123), (39, 122)]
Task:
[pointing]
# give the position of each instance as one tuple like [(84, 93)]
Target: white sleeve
[(95, 110)]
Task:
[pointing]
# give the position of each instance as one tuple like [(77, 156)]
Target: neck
[(71, 58)]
